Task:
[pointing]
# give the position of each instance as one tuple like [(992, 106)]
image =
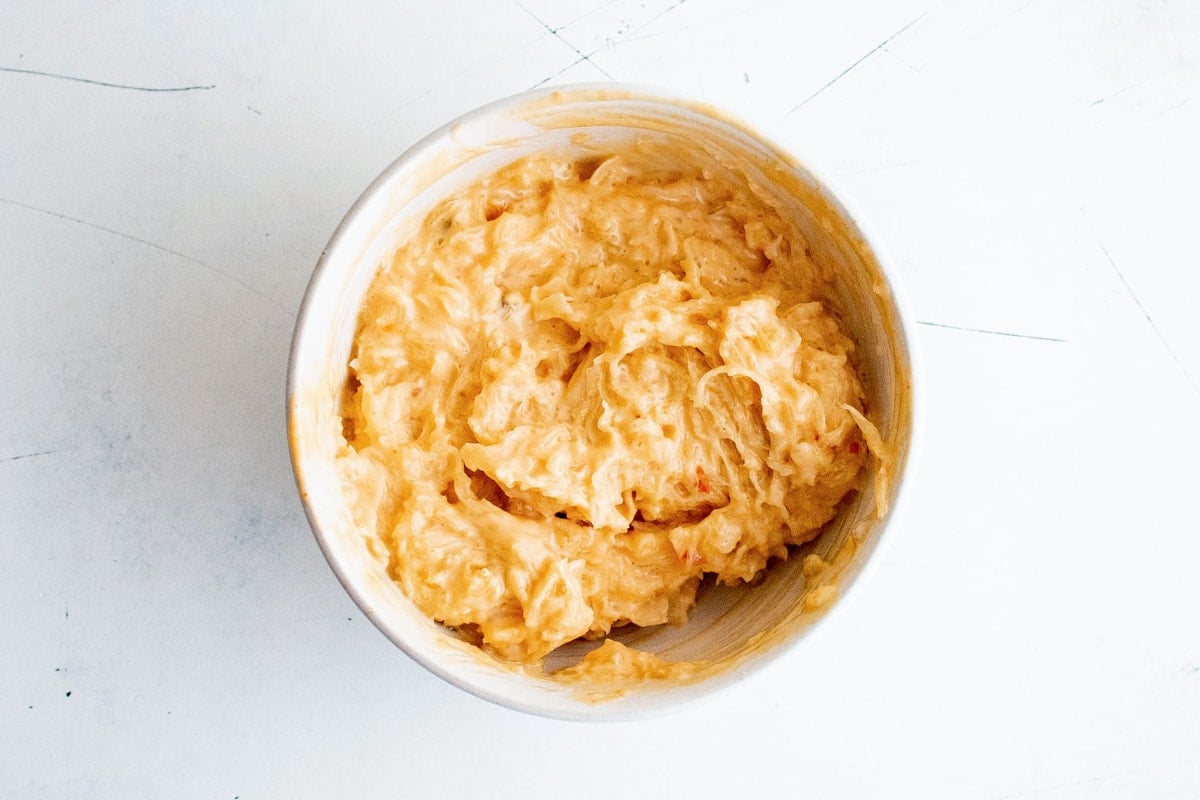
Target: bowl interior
[(731, 629)]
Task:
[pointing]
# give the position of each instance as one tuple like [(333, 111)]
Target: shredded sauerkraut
[(585, 383)]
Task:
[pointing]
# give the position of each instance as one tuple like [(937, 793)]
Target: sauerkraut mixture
[(587, 382)]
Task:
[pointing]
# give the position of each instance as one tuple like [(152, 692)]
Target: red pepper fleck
[(702, 480), (854, 448)]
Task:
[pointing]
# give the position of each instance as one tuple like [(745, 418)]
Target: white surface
[(1034, 631)]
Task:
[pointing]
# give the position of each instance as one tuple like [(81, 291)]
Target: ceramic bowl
[(733, 631)]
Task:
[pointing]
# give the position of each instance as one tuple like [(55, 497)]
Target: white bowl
[(733, 630)]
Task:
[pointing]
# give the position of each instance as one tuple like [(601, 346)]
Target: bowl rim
[(674, 697)]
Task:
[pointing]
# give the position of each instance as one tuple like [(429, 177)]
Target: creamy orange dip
[(585, 383)]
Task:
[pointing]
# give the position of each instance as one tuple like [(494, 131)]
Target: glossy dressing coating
[(586, 382)]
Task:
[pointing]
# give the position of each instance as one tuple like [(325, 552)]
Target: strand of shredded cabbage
[(585, 383)]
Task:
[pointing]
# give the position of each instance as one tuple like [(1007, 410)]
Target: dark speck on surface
[(68, 694)]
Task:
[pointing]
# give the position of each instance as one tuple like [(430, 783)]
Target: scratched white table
[(169, 173)]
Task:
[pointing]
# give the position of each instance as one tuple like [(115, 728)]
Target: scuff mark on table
[(610, 43), (1149, 319), (149, 243), (850, 68), (27, 455), (991, 332), (554, 32), (39, 73)]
